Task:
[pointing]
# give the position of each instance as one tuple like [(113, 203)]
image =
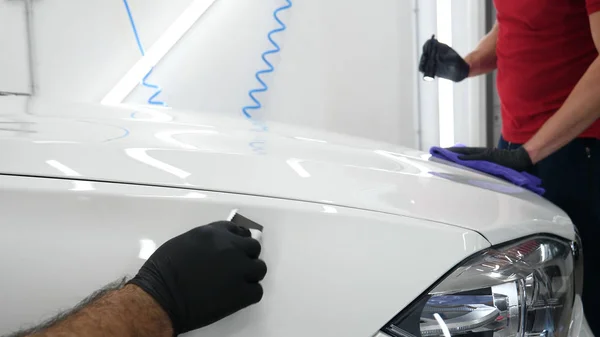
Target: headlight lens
[(524, 289)]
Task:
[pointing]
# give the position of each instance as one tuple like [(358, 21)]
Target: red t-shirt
[(544, 47)]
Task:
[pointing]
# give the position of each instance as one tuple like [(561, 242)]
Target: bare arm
[(482, 60), (116, 310), (189, 282), (580, 110)]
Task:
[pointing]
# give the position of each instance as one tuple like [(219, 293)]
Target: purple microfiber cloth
[(522, 179)]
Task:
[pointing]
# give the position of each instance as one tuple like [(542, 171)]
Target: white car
[(361, 238)]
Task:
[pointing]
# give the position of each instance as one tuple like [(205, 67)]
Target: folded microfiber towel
[(522, 179)]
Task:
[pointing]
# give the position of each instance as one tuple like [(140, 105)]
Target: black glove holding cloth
[(517, 160), (440, 60), (204, 275)]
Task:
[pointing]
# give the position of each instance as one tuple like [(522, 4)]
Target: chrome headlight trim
[(525, 287)]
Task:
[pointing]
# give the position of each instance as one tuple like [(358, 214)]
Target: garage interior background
[(347, 66)]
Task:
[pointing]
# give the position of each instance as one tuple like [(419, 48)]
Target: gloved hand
[(517, 160), (204, 275), (440, 60)]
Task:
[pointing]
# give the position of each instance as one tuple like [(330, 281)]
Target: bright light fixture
[(158, 50), (445, 87)]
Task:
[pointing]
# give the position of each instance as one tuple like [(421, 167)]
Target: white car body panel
[(208, 152), (326, 263), (354, 230)]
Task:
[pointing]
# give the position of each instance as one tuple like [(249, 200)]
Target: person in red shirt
[(546, 53)]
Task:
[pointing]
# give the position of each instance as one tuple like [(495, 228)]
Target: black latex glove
[(517, 160), (204, 275), (440, 60)]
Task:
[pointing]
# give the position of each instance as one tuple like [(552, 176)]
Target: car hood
[(206, 151)]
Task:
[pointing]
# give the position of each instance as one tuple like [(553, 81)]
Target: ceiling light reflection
[(54, 142), (154, 114), (147, 248), (63, 168), (194, 195), (140, 155), (329, 209), (294, 163), (399, 170), (167, 137), (464, 235), (310, 139), (82, 186), (190, 195), (398, 158), (442, 324)]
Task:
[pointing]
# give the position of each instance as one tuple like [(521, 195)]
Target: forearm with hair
[(483, 59), (116, 310)]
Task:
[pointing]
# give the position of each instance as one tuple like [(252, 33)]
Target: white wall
[(347, 65), (427, 91), (83, 47), (468, 27), (14, 63), (469, 100)]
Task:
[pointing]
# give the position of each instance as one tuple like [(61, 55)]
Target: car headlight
[(521, 289)]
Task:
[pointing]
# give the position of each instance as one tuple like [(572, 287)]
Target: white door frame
[(461, 107)]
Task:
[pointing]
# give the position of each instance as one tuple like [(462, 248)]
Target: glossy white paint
[(355, 228), (208, 152), (62, 239)]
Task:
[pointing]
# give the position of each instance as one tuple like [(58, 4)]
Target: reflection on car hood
[(206, 151)]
